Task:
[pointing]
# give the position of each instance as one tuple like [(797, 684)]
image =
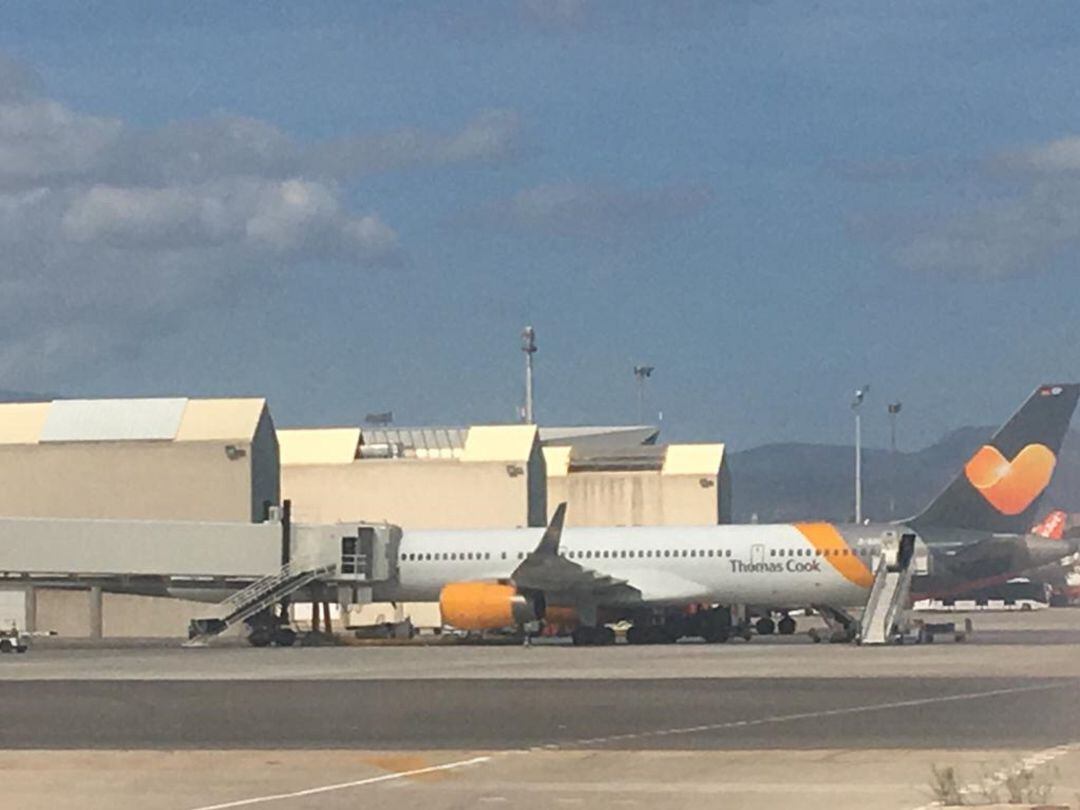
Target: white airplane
[(975, 529)]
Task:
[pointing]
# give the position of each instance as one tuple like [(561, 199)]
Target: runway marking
[(998, 778), (785, 718), (386, 777), (1040, 757)]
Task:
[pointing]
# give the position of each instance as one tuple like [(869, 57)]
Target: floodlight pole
[(860, 395), (642, 373), (528, 345), (894, 410)]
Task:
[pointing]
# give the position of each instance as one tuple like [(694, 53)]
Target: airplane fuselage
[(783, 565)]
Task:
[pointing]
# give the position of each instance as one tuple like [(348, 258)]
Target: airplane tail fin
[(1052, 526), (1000, 486)]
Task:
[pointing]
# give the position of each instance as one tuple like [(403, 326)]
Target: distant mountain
[(784, 482), (23, 396)]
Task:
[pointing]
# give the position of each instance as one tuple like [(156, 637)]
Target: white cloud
[(1025, 227), (1061, 155), (42, 140), (110, 233), (591, 210)]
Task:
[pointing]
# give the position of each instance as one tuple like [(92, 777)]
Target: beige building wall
[(496, 481), (67, 613), (211, 460), (687, 485), (222, 464)]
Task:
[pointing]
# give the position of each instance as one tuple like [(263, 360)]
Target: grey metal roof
[(599, 437), (420, 441), (90, 420), (625, 458)]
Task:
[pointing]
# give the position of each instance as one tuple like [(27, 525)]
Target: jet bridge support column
[(96, 622), (30, 615)]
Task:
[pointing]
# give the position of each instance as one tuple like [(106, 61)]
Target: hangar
[(502, 476), (158, 459), (163, 459), (486, 476), (663, 485)]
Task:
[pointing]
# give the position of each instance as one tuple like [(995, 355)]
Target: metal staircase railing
[(884, 612), (258, 596)]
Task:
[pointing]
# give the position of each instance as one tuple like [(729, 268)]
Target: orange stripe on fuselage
[(826, 539)]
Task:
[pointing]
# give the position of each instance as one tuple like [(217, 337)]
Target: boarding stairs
[(887, 611), (257, 596)]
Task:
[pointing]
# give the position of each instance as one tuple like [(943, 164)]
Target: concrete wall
[(498, 482), (221, 464), (163, 480), (417, 494), (690, 486), (66, 612)]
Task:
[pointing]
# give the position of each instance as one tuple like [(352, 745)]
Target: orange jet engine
[(488, 606)]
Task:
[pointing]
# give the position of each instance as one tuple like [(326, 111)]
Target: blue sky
[(355, 207)]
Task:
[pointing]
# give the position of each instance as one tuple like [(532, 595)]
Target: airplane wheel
[(636, 635), (284, 637), (715, 634), (786, 626), (655, 635), (605, 636), (583, 636), (260, 637), (765, 626)]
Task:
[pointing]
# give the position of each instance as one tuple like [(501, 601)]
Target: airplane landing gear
[(266, 628), (765, 626), (786, 626), (586, 636)]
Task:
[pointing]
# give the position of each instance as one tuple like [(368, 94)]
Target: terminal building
[(223, 462), (178, 459), (502, 476), (487, 476)]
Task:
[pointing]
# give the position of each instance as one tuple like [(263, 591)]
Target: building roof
[(318, 445), (499, 443), (345, 445), (668, 459), (599, 436), (103, 420), (421, 442)]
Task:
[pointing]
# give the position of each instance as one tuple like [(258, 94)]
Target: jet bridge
[(252, 566), (354, 562)]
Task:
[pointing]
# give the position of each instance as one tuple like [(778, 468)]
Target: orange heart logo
[(1011, 486)]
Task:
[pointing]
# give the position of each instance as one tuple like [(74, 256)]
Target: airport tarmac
[(778, 722)]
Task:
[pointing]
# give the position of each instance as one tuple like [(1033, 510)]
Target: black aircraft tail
[(1000, 486)]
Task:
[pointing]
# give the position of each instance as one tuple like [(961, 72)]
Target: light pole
[(528, 345), (860, 395), (642, 373), (894, 410)]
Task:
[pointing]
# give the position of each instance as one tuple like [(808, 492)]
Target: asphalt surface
[(776, 723), (502, 714)]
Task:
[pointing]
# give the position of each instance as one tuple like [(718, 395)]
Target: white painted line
[(786, 718), (386, 777)]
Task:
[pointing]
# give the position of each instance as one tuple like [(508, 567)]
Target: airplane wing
[(564, 581)]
